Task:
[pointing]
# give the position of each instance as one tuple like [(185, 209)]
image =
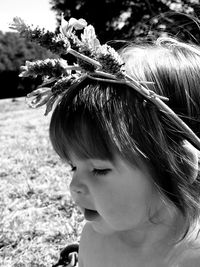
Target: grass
[(37, 216)]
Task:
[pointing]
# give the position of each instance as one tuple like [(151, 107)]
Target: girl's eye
[(101, 171)]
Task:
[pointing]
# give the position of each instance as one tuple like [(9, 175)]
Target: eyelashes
[(101, 171), (95, 171)]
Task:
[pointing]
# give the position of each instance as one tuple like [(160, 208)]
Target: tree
[(14, 51), (127, 19)]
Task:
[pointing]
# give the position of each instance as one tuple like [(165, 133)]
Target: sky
[(36, 12)]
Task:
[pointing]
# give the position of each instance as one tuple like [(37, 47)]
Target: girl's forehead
[(73, 157), (97, 161)]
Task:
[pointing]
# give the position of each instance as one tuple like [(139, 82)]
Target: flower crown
[(94, 61)]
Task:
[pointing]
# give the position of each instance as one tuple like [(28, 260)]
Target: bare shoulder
[(191, 262), (192, 258)]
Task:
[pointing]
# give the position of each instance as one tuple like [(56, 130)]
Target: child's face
[(123, 195)]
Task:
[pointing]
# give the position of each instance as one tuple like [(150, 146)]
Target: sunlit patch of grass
[(37, 215)]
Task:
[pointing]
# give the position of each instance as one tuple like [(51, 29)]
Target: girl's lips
[(91, 215)]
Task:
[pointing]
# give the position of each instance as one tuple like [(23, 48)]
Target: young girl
[(135, 174)]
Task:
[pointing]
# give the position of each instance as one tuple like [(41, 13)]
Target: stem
[(84, 58)]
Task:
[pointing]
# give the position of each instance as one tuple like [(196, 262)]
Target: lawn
[(37, 216)]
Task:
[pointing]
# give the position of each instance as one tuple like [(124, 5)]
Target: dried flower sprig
[(53, 42), (94, 61), (91, 57), (61, 85), (49, 95), (111, 61), (47, 67)]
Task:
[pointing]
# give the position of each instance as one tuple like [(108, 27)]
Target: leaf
[(39, 97), (67, 27), (77, 24), (41, 91), (17, 24), (48, 81), (89, 38), (50, 103)]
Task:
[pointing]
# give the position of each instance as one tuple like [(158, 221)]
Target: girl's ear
[(192, 154)]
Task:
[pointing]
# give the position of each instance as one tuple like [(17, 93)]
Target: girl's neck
[(158, 235)]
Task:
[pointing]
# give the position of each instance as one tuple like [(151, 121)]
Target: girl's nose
[(77, 188), (77, 193)]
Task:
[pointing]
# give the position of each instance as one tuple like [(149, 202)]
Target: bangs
[(91, 124), (81, 135)]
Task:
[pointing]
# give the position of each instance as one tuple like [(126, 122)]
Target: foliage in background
[(113, 19), (133, 19), (14, 51), (37, 216)]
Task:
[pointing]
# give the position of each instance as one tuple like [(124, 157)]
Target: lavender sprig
[(110, 60), (55, 43), (47, 67)]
